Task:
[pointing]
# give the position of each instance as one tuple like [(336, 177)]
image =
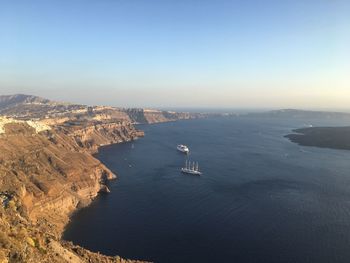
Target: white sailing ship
[(191, 168)]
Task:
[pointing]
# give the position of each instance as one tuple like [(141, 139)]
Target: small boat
[(191, 168), (183, 148)]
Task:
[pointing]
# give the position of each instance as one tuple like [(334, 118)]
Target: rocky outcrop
[(93, 135), (48, 171)]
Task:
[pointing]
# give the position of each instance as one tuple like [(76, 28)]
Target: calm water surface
[(261, 198)]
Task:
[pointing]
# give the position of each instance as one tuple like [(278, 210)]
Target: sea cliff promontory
[(47, 171)]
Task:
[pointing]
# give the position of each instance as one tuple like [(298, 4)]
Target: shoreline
[(106, 182), (64, 177), (322, 137), (103, 192), (49, 166)]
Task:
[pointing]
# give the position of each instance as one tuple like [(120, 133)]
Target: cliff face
[(91, 136), (155, 116), (47, 171), (44, 177)]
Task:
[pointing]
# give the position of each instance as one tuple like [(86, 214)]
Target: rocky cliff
[(92, 135), (150, 116), (44, 177), (47, 171)]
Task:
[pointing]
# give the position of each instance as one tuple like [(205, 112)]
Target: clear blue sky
[(178, 53)]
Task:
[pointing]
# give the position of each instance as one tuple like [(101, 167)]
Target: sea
[(261, 198)]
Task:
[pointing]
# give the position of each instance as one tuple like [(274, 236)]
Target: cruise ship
[(191, 168), (183, 148)]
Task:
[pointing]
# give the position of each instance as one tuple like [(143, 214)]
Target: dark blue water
[(261, 198)]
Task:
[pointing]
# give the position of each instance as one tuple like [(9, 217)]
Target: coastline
[(49, 170), (64, 177), (104, 190), (322, 137)]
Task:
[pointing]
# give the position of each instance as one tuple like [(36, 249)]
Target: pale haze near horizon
[(227, 54)]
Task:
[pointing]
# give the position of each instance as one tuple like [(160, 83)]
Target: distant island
[(324, 137), (305, 114)]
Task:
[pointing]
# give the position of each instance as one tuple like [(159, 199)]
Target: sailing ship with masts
[(191, 168)]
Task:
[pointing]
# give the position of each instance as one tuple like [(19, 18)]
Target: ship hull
[(192, 172)]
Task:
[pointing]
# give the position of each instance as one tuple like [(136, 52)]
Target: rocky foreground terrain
[(47, 171)]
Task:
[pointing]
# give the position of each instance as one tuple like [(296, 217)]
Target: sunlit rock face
[(47, 171)]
